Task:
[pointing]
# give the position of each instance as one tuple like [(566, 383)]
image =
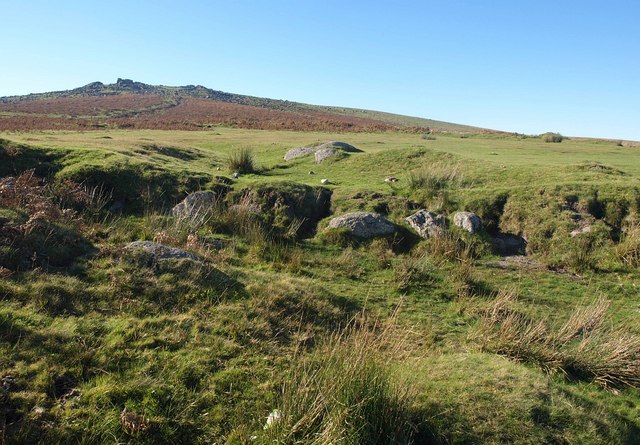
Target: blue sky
[(525, 66)]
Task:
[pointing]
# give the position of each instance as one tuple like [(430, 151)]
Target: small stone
[(311, 172), (324, 181), (390, 179), (235, 175)]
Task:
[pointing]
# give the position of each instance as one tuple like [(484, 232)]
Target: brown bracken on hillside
[(148, 111)]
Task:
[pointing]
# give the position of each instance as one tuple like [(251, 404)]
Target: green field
[(393, 340)]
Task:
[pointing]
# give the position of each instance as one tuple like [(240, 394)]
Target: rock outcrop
[(364, 224), (325, 153), (427, 224), (469, 221), (322, 151), (195, 205), (299, 152), (341, 145)]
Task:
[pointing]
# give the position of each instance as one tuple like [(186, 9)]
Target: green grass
[(203, 352)]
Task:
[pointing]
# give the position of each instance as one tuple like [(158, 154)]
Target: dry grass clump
[(449, 246), (346, 393), (628, 251), (411, 272), (132, 423), (436, 177), (583, 347)]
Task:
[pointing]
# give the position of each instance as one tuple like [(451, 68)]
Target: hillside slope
[(130, 104)]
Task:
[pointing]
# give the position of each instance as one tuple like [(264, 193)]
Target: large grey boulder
[(325, 153), (156, 251), (196, 204), (469, 221), (299, 152), (326, 150), (427, 224), (341, 146), (364, 224)]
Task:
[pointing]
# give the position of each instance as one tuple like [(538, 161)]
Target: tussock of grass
[(583, 347), (436, 177), (346, 393), (241, 161), (449, 246), (411, 273), (628, 251)]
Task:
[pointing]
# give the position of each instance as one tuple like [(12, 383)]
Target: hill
[(130, 104)]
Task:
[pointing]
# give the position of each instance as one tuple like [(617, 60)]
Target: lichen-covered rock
[(156, 251), (195, 204), (364, 224), (299, 152), (426, 224), (469, 221), (326, 150), (325, 153), (244, 208), (341, 146)]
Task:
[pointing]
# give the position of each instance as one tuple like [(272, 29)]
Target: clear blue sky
[(525, 66)]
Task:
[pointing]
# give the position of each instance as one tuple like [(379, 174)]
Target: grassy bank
[(281, 333)]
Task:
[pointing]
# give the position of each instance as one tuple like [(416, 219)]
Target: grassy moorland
[(285, 333)]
